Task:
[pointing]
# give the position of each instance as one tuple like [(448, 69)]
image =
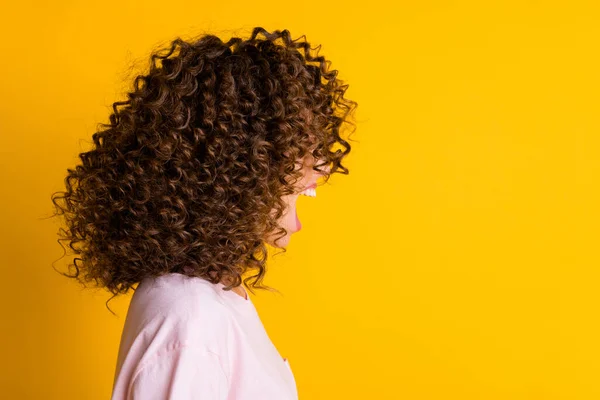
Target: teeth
[(309, 192)]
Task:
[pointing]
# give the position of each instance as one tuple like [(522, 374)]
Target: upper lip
[(313, 186)]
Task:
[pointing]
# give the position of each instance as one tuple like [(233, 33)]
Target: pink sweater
[(186, 338)]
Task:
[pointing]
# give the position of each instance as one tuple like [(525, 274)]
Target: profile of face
[(289, 220)]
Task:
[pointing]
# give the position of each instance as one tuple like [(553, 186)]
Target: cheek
[(291, 201), (290, 206)]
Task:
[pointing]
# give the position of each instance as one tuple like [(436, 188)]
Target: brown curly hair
[(187, 174)]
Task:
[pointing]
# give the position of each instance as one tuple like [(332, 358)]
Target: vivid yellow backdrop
[(458, 260)]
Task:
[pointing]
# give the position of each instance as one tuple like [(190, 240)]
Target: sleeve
[(182, 373)]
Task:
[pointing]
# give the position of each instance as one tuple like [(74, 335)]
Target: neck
[(236, 289)]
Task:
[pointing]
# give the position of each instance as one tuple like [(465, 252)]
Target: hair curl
[(186, 175)]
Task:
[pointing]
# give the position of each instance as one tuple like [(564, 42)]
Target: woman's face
[(289, 220)]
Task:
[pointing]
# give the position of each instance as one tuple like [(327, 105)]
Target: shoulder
[(177, 328), (178, 309), (178, 294)]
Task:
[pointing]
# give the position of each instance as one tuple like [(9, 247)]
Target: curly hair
[(187, 174)]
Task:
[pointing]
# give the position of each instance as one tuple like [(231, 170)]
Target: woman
[(192, 178)]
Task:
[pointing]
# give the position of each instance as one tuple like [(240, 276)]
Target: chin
[(283, 241)]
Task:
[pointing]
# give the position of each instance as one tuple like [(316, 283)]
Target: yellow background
[(458, 260)]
